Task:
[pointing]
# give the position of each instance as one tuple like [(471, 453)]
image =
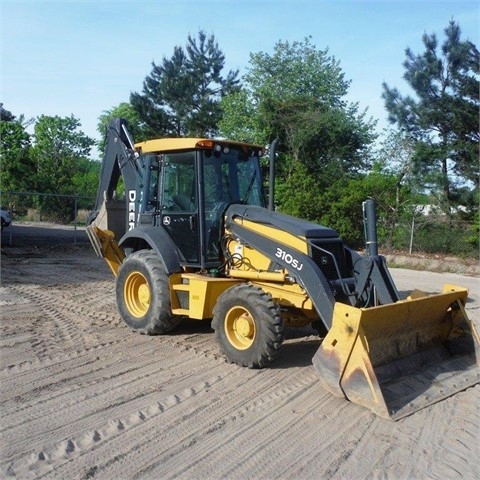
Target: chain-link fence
[(35, 216), (47, 207), (430, 234), (434, 234)]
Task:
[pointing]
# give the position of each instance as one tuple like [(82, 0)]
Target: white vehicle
[(6, 218)]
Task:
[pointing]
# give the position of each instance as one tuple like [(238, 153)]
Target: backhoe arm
[(119, 159), (111, 218)]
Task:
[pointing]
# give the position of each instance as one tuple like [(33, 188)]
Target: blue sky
[(83, 57)]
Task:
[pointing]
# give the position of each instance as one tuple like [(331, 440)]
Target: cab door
[(179, 204)]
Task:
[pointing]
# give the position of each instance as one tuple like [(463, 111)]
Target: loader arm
[(307, 274), (390, 355), (363, 282)]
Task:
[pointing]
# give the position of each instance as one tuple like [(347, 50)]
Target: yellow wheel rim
[(137, 294), (240, 328)]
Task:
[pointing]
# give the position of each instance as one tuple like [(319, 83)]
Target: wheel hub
[(144, 294), (243, 327), (137, 294), (240, 328)]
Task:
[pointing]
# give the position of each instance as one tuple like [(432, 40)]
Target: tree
[(5, 115), (240, 120), (58, 146), (342, 206), (58, 151), (394, 159), (17, 170), (85, 181), (443, 118), (181, 95), (124, 110), (298, 94)]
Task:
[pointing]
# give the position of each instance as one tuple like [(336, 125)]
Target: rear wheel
[(248, 326), (143, 295)]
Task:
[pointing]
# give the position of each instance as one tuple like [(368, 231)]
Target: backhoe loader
[(188, 234)]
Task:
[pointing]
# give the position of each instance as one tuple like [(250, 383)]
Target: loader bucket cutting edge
[(399, 358)]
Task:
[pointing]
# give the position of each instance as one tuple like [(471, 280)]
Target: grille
[(322, 252)]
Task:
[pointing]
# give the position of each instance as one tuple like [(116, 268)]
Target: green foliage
[(343, 206), (297, 93), (17, 170), (443, 118), (240, 120), (473, 237), (59, 153), (85, 179), (340, 205), (57, 149), (123, 110), (181, 95), (6, 115), (297, 194), (438, 235), (296, 69)]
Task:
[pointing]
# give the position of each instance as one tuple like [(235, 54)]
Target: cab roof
[(161, 145)]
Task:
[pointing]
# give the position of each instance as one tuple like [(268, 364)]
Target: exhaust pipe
[(271, 180), (370, 226)]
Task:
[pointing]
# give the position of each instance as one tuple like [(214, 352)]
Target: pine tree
[(181, 95), (443, 118)]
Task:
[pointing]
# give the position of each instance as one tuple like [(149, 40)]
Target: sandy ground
[(84, 397)]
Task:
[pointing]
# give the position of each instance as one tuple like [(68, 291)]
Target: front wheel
[(143, 294), (248, 326)]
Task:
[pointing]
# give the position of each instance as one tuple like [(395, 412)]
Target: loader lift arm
[(390, 355), (369, 282)]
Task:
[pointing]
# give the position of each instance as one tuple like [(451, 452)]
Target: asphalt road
[(42, 234)]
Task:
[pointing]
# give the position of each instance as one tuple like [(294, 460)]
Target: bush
[(436, 235)]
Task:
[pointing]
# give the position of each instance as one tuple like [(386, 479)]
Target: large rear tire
[(143, 295), (248, 326)]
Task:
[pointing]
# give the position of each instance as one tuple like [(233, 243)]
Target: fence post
[(75, 213), (411, 235)]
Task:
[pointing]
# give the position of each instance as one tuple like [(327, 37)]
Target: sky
[(83, 57)]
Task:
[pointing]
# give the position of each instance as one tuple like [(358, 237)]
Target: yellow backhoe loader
[(192, 236)]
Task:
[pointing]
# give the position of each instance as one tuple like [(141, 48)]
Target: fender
[(160, 242)]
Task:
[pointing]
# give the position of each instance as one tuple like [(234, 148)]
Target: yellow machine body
[(393, 359), (268, 270)]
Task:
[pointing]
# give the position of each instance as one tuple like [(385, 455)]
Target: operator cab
[(187, 186)]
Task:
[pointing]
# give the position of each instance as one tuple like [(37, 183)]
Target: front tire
[(143, 294), (248, 326)]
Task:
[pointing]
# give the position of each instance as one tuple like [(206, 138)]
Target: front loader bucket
[(399, 358)]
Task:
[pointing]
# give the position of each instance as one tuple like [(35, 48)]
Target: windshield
[(229, 177), (232, 177)]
